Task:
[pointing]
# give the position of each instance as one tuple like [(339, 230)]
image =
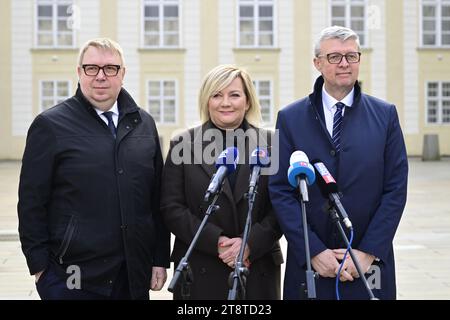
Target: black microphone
[(328, 187), (226, 163), (258, 159)]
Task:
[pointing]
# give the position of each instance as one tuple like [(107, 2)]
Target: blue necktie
[(337, 126), (111, 125)]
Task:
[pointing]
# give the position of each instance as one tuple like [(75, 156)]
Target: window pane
[(246, 26), (153, 88), (362, 38), (357, 25), (265, 11), (357, 11), (45, 39), (171, 11), (247, 39), (446, 39), (429, 39), (445, 11), (432, 111), (429, 25), (446, 111), (47, 89), (62, 25), (65, 39), (338, 22), (171, 40), (151, 11), (62, 89), (337, 11), (151, 25), (45, 11), (265, 40), (446, 89), (432, 89), (63, 11), (246, 11), (151, 40), (47, 103), (169, 88), (446, 25), (429, 11), (171, 25), (265, 25), (154, 109), (45, 25)]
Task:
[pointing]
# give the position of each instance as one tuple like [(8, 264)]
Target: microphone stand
[(308, 289), (183, 267), (238, 278), (335, 218)]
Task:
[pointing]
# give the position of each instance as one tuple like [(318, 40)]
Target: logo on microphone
[(327, 177)]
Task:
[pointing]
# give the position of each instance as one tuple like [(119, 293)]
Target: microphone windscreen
[(298, 156), (259, 157), (229, 158)]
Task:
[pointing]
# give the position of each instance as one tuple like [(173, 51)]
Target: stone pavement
[(422, 242)]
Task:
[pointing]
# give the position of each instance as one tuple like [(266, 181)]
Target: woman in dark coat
[(230, 112)]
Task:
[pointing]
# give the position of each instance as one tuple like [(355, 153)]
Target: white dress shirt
[(329, 107), (114, 109)]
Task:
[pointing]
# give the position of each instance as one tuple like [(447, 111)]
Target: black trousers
[(51, 286)]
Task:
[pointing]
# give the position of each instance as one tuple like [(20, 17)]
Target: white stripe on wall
[(320, 19), (89, 20), (128, 31), (21, 69), (377, 30), (411, 67), (191, 34), (227, 31), (286, 42)]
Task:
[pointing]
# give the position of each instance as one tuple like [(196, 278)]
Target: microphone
[(226, 163), (328, 187), (301, 172), (258, 159)]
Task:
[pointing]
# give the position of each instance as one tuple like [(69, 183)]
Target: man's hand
[(229, 250), (159, 277), (38, 275), (326, 264), (365, 261)]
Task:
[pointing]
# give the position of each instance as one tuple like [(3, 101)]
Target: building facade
[(170, 45)]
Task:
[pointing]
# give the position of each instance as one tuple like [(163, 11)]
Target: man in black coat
[(89, 219)]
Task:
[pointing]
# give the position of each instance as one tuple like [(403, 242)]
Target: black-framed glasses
[(110, 70), (336, 57)]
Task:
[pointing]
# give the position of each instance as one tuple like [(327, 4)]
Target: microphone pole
[(238, 277), (308, 289), (335, 218), (183, 267)]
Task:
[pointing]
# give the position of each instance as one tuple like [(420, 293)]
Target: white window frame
[(55, 97), (348, 18), (256, 83), (54, 4), (439, 99), (161, 100), (255, 4), (161, 4), (438, 22)]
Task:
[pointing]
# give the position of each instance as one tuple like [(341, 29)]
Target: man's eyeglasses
[(336, 58), (110, 70)]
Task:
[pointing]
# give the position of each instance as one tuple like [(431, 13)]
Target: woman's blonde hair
[(219, 78), (101, 43)]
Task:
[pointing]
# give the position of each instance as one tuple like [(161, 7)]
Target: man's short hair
[(101, 43), (335, 32)]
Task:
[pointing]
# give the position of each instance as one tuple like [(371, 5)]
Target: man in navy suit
[(363, 148)]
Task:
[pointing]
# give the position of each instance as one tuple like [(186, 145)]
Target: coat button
[(123, 227), (136, 120), (332, 153), (127, 127), (202, 270), (120, 171)]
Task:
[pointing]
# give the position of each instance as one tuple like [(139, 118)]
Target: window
[(351, 14), (162, 101), (264, 93), (53, 92), (438, 102), (161, 23), (54, 23), (435, 25), (256, 23)]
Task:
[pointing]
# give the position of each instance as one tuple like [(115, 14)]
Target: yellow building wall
[(108, 21), (434, 65), (6, 142), (159, 64)]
